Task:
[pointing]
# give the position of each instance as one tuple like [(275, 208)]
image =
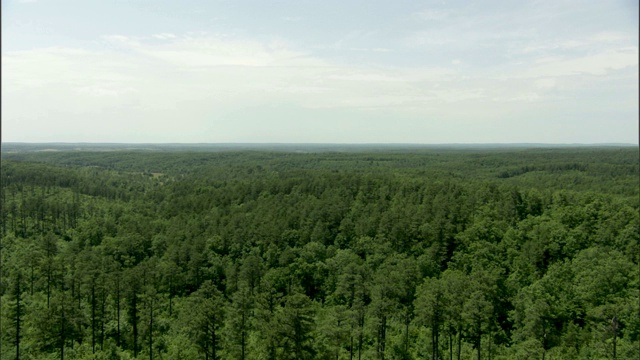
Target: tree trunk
[(151, 332), (382, 337), (243, 334), (93, 317), (614, 327), (102, 306), (170, 294), (118, 311), (450, 343), (544, 344), (435, 339), (360, 346), (351, 348), (490, 340), (213, 343), (18, 294), (406, 332), (459, 341), (62, 333), (48, 286), (361, 323), (32, 278), (135, 325), (433, 345)]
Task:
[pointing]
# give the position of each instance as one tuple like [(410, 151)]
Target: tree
[(349, 277), (295, 325), (267, 305), (238, 323), (430, 308), (478, 311), (543, 308), (16, 310), (49, 265), (393, 292), (477, 314), (455, 294), (334, 331), (132, 285), (58, 325), (206, 318)]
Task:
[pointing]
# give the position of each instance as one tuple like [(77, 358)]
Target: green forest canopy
[(394, 253)]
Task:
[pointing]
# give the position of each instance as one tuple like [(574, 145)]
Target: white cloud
[(122, 41), (553, 46), (546, 83), (164, 36), (207, 82), (101, 91), (433, 14), (596, 64), (209, 51), (377, 49), (292, 18), (611, 37)]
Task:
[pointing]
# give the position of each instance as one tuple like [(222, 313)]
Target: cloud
[(611, 37), (122, 41), (546, 83), (212, 81), (232, 71), (376, 49), (433, 14), (108, 91), (596, 64), (203, 50), (164, 36), (292, 18)]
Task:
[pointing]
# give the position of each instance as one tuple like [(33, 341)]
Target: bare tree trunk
[(93, 317), (361, 323), (614, 326), (450, 343), (62, 333), (118, 311), (151, 331), (102, 306), (406, 332), (18, 294), (213, 343), (135, 324), (351, 348), (32, 278), (459, 342), (243, 334)]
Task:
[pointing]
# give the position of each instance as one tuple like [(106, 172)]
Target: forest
[(393, 253)]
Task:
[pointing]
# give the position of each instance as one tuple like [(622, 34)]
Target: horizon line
[(308, 143)]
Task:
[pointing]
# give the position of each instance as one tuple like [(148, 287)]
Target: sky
[(421, 72)]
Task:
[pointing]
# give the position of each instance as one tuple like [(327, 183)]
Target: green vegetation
[(394, 254)]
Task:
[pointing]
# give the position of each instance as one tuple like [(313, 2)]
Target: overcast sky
[(320, 71)]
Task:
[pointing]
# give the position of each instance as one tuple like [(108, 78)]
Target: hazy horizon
[(355, 72), (505, 144)]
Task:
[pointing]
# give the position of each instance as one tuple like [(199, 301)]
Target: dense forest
[(361, 254)]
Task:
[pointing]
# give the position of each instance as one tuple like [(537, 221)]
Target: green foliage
[(503, 254)]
